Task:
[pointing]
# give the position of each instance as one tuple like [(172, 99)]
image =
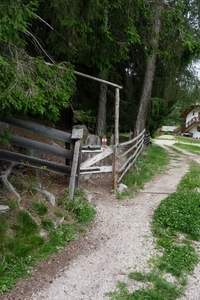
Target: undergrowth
[(21, 242), (175, 225)]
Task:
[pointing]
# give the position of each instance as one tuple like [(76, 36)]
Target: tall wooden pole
[(115, 167)]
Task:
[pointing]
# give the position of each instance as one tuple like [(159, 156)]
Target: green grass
[(182, 139), (80, 208), (157, 289), (175, 225), (22, 246), (191, 181), (188, 144), (151, 161), (39, 208), (181, 212), (124, 135), (189, 147)]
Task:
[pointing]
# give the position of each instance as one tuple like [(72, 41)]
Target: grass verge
[(189, 147), (23, 242), (176, 227), (191, 141), (150, 162)]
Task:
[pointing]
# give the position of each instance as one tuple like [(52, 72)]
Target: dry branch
[(48, 195), (4, 177)]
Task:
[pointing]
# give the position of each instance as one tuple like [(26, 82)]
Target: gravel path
[(125, 243), (120, 241)]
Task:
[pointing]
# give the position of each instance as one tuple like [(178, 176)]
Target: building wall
[(192, 114), (196, 134)]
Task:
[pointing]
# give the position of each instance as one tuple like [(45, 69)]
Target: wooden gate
[(98, 160)]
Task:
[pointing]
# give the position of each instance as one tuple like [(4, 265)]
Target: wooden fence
[(99, 161), (71, 153), (89, 160), (128, 153), (96, 160)]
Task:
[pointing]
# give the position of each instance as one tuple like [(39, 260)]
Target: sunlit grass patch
[(175, 224), (181, 212), (189, 147), (151, 161)]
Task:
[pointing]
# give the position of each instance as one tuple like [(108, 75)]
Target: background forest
[(148, 47)]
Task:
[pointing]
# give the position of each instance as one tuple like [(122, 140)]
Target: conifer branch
[(35, 39), (45, 22)]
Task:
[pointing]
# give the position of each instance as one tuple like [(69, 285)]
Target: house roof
[(169, 128), (189, 109)]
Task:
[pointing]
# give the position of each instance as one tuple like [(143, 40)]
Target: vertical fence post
[(77, 135), (116, 154)]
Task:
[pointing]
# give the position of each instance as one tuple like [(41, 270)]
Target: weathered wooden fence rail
[(129, 151), (89, 160), (99, 160), (95, 158), (73, 155)]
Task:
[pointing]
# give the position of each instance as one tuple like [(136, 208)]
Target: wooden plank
[(98, 79), (74, 172), (41, 129), (78, 168), (108, 151), (116, 150), (133, 140), (89, 76), (34, 162), (130, 165), (138, 150), (130, 149), (39, 146), (102, 169), (91, 148)]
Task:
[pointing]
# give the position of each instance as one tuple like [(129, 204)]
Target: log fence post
[(116, 150), (77, 135)]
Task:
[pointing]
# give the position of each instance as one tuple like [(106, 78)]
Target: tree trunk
[(150, 69), (101, 119)]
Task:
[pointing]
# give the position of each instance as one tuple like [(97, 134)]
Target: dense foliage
[(28, 86), (115, 40)]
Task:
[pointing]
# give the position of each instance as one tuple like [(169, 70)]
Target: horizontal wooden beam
[(89, 77), (98, 79), (96, 169), (91, 149), (34, 162), (40, 147), (41, 129)]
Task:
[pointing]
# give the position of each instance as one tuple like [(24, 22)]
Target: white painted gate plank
[(91, 161)]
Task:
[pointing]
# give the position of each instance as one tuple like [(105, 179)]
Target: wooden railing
[(129, 151), (72, 156), (192, 121), (98, 161)]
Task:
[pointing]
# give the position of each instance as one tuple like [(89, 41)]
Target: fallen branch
[(4, 177), (48, 195)]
